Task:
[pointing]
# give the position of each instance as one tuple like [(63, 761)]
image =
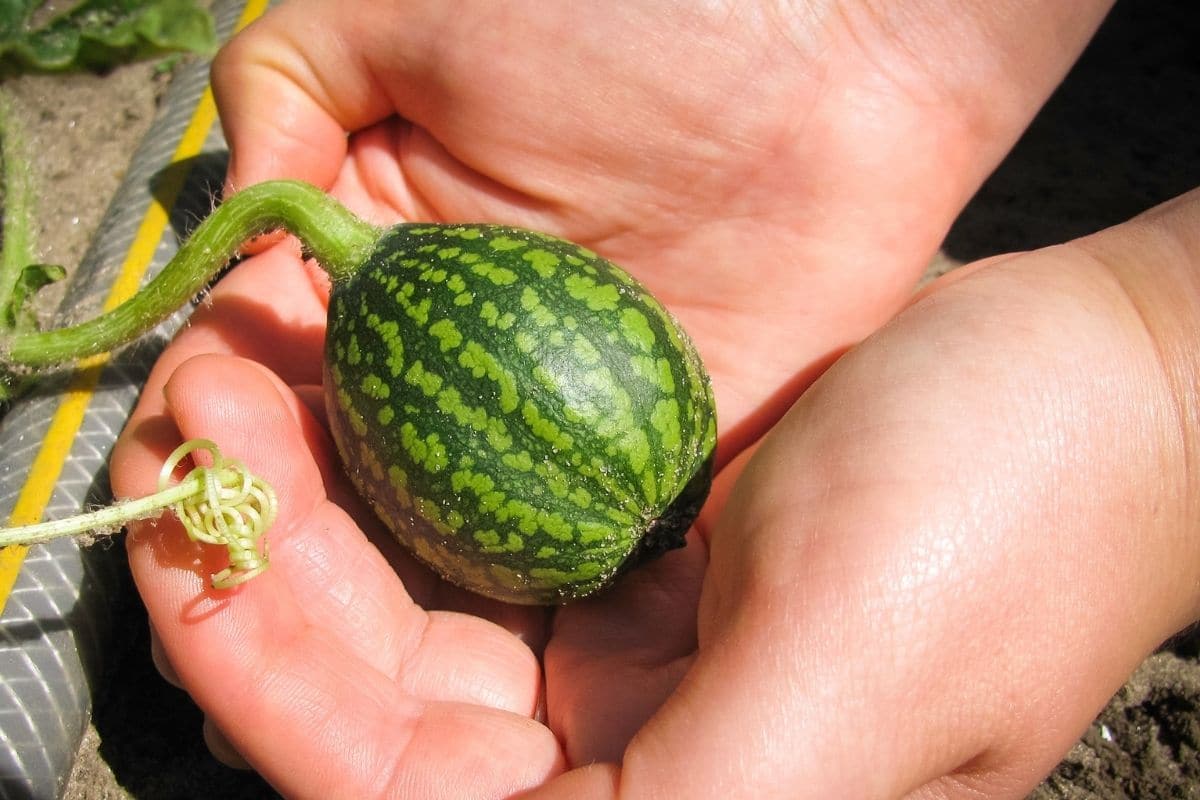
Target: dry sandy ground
[(1121, 135)]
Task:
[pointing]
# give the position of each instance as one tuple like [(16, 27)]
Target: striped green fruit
[(520, 412)]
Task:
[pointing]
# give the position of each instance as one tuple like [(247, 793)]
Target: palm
[(780, 189)]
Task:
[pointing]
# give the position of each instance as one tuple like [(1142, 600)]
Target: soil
[(1121, 134)]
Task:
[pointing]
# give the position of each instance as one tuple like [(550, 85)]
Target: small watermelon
[(524, 416)]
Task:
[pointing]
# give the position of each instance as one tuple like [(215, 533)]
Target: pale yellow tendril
[(221, 504), (232, 508)]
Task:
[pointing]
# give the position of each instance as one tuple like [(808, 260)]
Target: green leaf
[(98, 34), (19, 314)]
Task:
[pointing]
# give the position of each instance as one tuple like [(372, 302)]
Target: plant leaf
[(98, 34), (20, 315)]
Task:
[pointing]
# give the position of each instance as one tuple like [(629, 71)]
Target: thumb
[(292, 85)]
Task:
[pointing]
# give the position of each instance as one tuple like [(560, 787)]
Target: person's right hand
[(934, 572)]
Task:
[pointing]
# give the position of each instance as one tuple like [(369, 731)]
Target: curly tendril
[(221, 504), (233, 508)]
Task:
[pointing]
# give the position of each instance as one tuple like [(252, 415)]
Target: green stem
[(17, 250), (105, 519), (336, 238)]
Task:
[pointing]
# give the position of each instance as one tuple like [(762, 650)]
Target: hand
[(935, 571), (398, 692), (778, 176)]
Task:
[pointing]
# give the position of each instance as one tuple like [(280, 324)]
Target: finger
[(221, 749), (257, 422), (614, 658), (311, 65), (158, 656), (325, 652), (360, 104), (216, 742), (307, 83), (610, 665)]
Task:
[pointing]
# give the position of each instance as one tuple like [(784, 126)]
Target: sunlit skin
[(939, 561)]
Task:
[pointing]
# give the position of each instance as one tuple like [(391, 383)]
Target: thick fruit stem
[(223, 504), (336, 238)]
